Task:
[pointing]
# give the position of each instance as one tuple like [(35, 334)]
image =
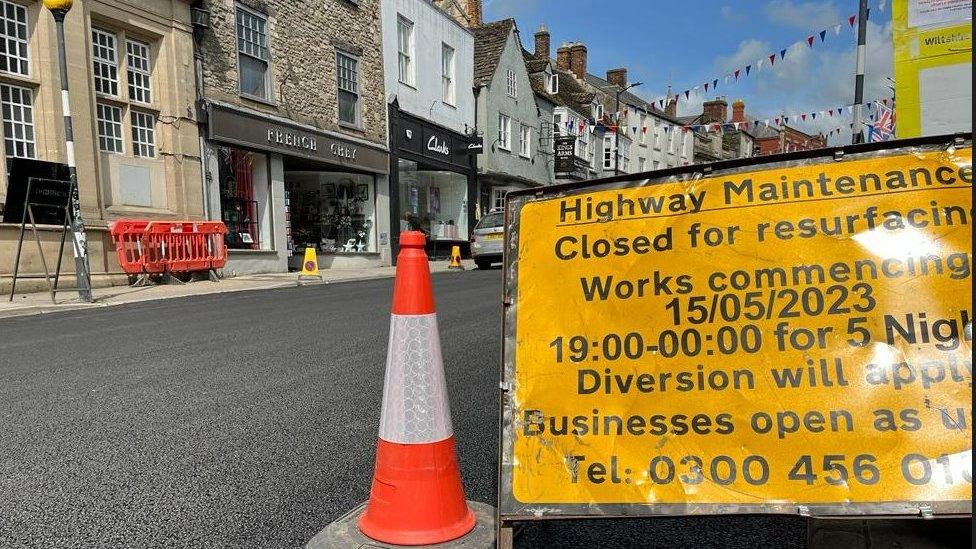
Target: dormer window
[(552, 84), (597, 110)]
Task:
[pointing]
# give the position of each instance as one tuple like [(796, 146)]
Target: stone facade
[(127, 182), (303, 44)]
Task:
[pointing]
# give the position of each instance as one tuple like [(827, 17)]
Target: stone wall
[(303, 42)]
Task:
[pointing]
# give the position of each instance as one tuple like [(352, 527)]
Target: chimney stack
[(577, 53), (716, 110), (475, 13), (617, 77), (739, 111), (563, 58), (542, 50), (671, 108)]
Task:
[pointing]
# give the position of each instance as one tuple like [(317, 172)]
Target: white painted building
[(428, 59)]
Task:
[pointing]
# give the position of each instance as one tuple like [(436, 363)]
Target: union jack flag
[(884, 123)]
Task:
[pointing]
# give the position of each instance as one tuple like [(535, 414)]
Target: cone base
[(416, 497)]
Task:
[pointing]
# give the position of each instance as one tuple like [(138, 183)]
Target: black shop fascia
[(433, 183)]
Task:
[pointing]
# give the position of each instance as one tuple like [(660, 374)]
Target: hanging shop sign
[(565, 154), (254, 131), (789, 337)]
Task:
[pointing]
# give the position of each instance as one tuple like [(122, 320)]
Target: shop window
[(252, 53), (433, 201), (333, 212), (13, 38), (245, 202), (348, 79)]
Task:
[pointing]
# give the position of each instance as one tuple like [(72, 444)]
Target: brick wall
[(303, 44)]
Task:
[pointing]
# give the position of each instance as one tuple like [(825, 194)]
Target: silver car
[(488, 238)]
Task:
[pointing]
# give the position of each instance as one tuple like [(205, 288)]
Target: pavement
[(40, 302), (248, 419)]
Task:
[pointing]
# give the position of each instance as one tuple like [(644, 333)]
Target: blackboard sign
[(50, 189), (565, 154)]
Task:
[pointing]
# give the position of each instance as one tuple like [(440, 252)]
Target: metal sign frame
[(510, 511)]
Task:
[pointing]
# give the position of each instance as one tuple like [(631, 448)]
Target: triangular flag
[(706, 87), (786, 119), (851, 19), (837, 30), (759, 64), (840, 111), (810, 40), (830, 112), (766, 122), (823, 34), (777, 120), (736, 73), (686, 93), (736, 125), (804, 117), (633, 129), (813, 115), (644, 129), (885, 101), (660, 102), (782, 54), (714, 83), (748, 68), (772, 59)]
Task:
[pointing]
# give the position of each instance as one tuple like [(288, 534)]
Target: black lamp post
[(616, 131)]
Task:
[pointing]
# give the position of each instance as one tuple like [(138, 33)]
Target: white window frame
[(525, 141), (19, 133), (511, 83), (263, 53), (105, 62), (642, 137), (597, 111), (552, 84), (352, 86), (406, 70), (609, 149), (641, 165), (624, 156), (138, 77), (16, 45), (143, 133), (115, 124), (504, 132), (448, 70), (557, 124)]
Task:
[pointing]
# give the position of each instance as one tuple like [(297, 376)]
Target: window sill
[(251, 252), (525, 156), (509, 151), (111, 100), (411, 86), (19, 79), (452, 105), (348, 126), (261, 100), (150, 107)]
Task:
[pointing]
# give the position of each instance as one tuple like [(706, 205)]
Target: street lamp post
[(59, 9), (616, 130)]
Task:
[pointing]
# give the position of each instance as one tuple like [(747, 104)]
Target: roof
[(571, 94), (489, 43), (629, 98)]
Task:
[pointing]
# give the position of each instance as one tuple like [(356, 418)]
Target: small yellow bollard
[(456, 259), (310, 266)]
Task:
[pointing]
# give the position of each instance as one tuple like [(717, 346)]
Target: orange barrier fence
[(157, 247)]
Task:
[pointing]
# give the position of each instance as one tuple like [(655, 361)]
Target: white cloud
[(803, 15)]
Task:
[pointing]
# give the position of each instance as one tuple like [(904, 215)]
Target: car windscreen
[(491, 221)]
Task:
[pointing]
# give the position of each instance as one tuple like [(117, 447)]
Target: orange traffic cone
[(416, 497)]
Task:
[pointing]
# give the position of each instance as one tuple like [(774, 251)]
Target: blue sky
[(690, 42)]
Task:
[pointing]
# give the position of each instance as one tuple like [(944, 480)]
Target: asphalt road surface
[(249, 420)]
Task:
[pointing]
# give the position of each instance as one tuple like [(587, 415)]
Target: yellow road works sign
[(768, 339)]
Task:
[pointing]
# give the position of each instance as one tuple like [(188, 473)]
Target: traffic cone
[(456, 259), (310, 266), (416, 497)]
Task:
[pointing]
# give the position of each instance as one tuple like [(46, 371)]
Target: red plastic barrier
[(127, 235), (155, 247)]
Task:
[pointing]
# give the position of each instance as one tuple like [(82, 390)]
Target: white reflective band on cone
[(415, 406)]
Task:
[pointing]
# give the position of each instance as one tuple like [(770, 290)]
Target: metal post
[(80, 241), (857, 134), (616, 137)]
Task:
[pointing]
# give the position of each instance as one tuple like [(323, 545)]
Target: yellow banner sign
[(792, 335)]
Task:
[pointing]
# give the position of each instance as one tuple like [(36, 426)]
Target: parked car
[(488, 238)]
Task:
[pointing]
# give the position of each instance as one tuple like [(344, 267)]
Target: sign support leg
[(20, 243), (40, 251)]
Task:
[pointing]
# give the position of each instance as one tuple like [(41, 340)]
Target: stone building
[(725, 139), (295, 135), (130, 75)]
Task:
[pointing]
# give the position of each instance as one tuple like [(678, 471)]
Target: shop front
[(433, 183), (282, 187)]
